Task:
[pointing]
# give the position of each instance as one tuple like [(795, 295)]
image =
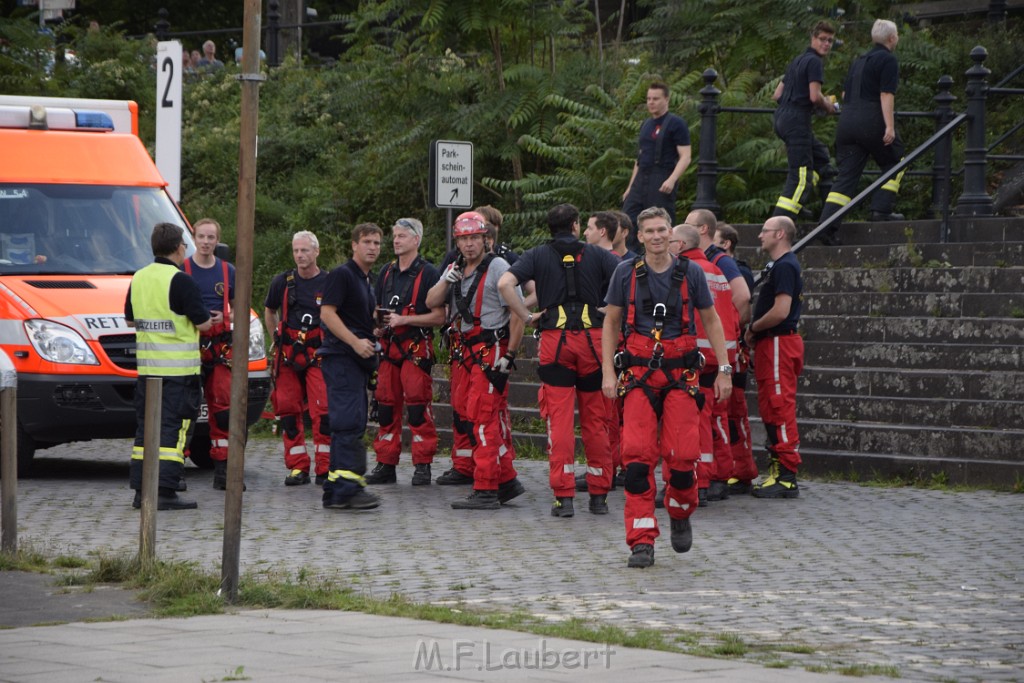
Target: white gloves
[(505, 363), (452, 274)]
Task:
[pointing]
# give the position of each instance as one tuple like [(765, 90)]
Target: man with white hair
[(405, 328), (292, 314), (867, 127)]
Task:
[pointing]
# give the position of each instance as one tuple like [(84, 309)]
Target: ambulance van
[(79, 196)]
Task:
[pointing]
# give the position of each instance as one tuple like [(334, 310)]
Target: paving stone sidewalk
[(926, 585)]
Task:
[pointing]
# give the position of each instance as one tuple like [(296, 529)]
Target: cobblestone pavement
[(924, 585)]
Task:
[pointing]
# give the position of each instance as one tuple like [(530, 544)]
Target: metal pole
[(448, 231), (8, 455), (975, 200), (150, 468), (707, 159), (943, 159), (163, 27), (273, 33), (250, 78)]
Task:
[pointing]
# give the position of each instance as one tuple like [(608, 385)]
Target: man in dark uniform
[(571, 278), (349, 358), (798, 94), (664, 154), (778, 356), (867, 127), (166, 308)]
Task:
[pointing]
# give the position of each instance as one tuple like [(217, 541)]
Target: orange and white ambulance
[(79, 196)]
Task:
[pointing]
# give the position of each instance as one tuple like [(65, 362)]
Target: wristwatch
[(529, 318), (725, 369)]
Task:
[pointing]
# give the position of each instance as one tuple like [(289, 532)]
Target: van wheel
[(199, 451), (26, 451)]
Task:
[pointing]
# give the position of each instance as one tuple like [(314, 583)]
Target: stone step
[(911, 440), (924, 410), (938, 255), (884, 384), (867, 466), (916, 304), (854, 232), (984, 279), (921, 356), (1009, 331)]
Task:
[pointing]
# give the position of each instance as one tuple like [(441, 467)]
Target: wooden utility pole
[(250, 79)]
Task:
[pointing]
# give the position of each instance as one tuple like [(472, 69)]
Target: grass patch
[(526, 450), (26, 559)]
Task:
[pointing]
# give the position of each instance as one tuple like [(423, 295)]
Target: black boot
[(220, 475)]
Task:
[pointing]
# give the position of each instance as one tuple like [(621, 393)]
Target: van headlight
[(257, 349), (59, 343)]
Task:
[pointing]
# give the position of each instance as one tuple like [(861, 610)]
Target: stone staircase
[(913, 357), (914, 360)]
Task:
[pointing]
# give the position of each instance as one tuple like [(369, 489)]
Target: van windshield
[(81, 229)]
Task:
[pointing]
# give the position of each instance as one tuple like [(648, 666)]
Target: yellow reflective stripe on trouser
[(793, 203), (893, 184), (174, 453), (837, 198), (335, 475)]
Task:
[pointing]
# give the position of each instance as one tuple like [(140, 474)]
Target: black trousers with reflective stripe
[(178, 410)]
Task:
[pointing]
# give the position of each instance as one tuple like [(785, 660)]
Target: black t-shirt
[(393, 283), (348, 288), (880, 72), (543, 265), (782, 277), (807, 68), (308, 295), (673, 132)]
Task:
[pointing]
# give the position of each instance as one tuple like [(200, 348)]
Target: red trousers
[(462, 427), (645, 437), (217, 394), (488, 410), (574, 353), (743, 467), (402, 382), (778, 362), (293, 391)]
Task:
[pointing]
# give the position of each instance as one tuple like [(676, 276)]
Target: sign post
[(168, 114), (451, 178)]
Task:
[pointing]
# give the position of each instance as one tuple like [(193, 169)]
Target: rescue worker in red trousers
[(292, 314), (744, 469), (488, 338), (706, 223), (349, 359), (603, 231), (652, 302), (216, 280), (799, 95), (715, 465), (778, 356), (570, 278), (407, 356), (166, 309)]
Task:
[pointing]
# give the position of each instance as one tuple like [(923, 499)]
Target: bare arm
[(741, 298), (432, 319), (332, 321), (609, 341), (438, 294), (271, 320), (713, 328), (818, 99), (636, 169), (888, 115), (507, 284), (778, 91), (775, 315), (677, 172)]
